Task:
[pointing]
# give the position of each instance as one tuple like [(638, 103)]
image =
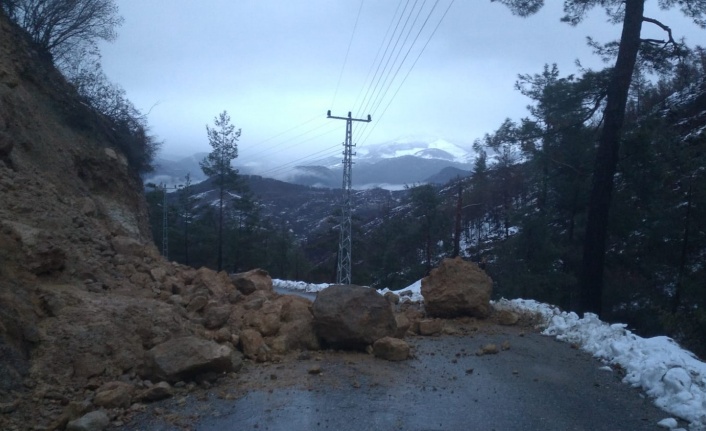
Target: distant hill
[(172, 171), (388, 165), (447, 174), (303, 209)]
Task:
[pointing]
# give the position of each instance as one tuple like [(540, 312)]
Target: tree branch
[(663, 27)]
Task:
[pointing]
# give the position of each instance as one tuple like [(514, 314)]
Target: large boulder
[(352, 317), (457, 288), (185, 357)]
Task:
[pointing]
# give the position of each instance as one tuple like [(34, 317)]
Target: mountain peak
[(424, 147)]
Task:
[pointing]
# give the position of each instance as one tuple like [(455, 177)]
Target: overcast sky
[(274, 65)]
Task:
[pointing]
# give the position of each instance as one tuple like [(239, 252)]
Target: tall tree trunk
[(676, 301), (220, 223), (457, 224), (594, 245)]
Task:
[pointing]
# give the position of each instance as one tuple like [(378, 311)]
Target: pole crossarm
[(343, 273), (348, 118)]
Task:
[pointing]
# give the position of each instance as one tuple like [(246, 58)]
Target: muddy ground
[(454, 382)]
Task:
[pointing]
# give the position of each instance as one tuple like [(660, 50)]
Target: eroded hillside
[(85, 298)]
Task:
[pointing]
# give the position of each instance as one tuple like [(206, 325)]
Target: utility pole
[(165, 230), (343, 274)]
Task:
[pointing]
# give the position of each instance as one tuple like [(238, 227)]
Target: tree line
[(523, 212)]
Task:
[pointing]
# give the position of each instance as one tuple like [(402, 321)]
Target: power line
[(410, 69), (345, 60), (305, 158), (382, 94), (267, 150), (377, 55), (376, 90), (389, 42)]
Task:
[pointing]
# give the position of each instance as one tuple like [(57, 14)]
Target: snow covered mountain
[(425, 148), (404, 161), (391, 165)]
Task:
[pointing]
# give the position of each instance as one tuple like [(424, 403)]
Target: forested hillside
[(522, 211), (524, 207)]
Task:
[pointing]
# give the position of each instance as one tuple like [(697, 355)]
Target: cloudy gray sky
[(275, 65)]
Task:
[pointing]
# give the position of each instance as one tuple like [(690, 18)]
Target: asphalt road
[(537, 383)]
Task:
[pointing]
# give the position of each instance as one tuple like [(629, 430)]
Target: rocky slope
[(94, 324), (88, 308)]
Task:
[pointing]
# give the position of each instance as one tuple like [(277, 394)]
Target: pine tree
[(223, 138), (631, 14)]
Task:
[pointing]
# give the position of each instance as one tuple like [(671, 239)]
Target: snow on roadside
[(299, 286), (411, 293), (672, 376)]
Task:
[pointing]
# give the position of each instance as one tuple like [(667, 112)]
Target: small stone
[(315, 370), (488, 349), (430, 326), (507, 317), (392, 349), (9, 407), (93, 421), (156, 392)]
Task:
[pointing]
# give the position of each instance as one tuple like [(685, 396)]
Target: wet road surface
[(532, 383)]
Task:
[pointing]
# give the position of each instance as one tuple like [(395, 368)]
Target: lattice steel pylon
[(343, 273), (165, 219)]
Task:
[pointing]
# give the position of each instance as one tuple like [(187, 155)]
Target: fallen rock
[(216, 316), (197, 303), (253, 345), (128, 246), (46, 258), (218, 283), (352, 317), (114, 394), (265, 323), (157, 392), (392, 349), (430, 326), (392, 298), (185, 357), (251, 281), (488, 349), (403, 325), (507, 317), (457, 288), (94, 421), (296, 330)]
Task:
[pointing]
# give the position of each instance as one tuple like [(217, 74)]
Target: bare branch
[(663, 27)]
